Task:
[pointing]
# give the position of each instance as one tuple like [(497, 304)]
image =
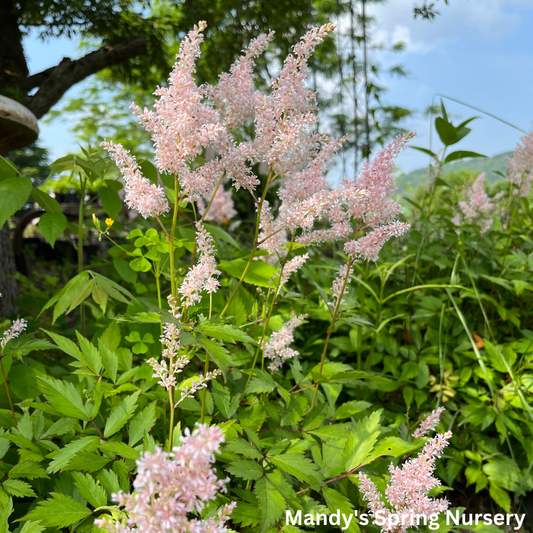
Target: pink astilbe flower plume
[(171, 486), (339, 284), (292, 266), (201, 277), (16, 328), (520, 166), (141, 194), (477, 207), (167, 372), (182, 124), (234, 95), (277, 347), (429, 423), (409, 486)]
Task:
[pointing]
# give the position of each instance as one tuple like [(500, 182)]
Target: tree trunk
[(8, 283)]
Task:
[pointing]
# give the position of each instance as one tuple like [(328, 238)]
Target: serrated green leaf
[(60, 427), (109, 360), (259, 273), (271, 502), (65, 455), (226, 405), (87, 462), (32, 527), (120, 448), (242, 447), (59, 511), (121, 414), (20, 489), (224, 332), (245, 469), (64, 397), (361, 441), (90, 489), (297, 465), (218, 353), (91, 353), (27, 470), (141, 423)]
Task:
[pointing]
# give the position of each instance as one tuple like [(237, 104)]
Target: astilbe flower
[(339, 285), (283, 118), (234, 95), (167, 372), (182, 124), (201, 277), (429, 423), (277, 347), (409, 486), (16, 328), (170, 486), (292, 266), (520, 166), (141, 195), (477, 207), (366, 200)]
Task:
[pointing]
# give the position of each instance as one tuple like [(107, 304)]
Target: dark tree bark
[(53, 83), (8, 283)]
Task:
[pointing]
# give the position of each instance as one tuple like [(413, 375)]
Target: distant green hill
[(408, 183)]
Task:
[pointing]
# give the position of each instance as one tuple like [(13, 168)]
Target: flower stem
[(254, 248), (212, 198), (173, 290), (80, 247), (204, 392), (267, 319), (330, 328), (7, 390)]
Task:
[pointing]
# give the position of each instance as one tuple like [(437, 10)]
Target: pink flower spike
[(429, 423), (141, 194), (277, 347), (201, 277), (13, 331), (171, 487)]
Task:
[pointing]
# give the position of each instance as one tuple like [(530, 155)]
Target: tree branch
[(53, 83)]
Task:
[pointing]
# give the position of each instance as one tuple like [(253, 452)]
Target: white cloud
[(489, 19)]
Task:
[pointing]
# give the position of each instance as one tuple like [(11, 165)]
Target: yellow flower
[(109, 222)]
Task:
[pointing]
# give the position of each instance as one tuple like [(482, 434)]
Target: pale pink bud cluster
[(277, 348), (189, 390), (409, 486), (170, 486), (201, 277), (369, 246), (292, 266), (520, 166), (167, 372), (235, 95), (339, 285), (429, 423), (182, 124), (141, 194), (16, 328), (477, 207), (367, 200)]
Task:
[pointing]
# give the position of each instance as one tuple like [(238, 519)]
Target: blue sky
[(477, 51)]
